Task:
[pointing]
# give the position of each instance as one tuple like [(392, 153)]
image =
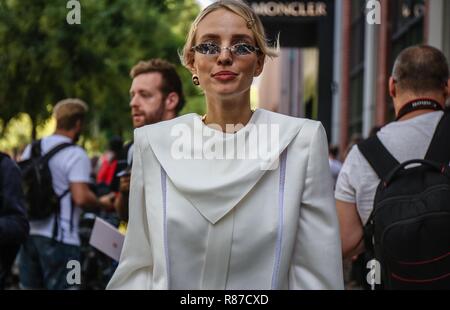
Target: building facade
[(368, 53), (362, 58), (303, 28)]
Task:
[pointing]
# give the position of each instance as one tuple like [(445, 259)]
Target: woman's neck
[(230, 112)]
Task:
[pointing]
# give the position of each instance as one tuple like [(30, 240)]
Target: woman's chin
[(227, 91)]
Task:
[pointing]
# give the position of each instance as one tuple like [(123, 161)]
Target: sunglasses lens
[(207, 49), (213, 49), (243, 49)]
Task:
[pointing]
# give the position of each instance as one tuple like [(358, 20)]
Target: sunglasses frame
[(230, 48)]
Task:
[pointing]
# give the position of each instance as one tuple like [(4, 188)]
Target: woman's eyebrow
[(233, 37), (242, 36), (209, 36)]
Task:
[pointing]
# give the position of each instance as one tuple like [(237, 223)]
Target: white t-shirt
[(405, 140), (70, 165)]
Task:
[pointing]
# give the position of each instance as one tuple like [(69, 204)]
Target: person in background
[(419, 72), (14, 226), (43, 257), (335, 163), (107, 180), (156, 94)]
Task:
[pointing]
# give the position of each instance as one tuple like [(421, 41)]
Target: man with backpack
[(393, 192), (14, 225), (56, 176)]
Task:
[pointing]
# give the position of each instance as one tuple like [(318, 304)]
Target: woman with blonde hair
[(236, 199)]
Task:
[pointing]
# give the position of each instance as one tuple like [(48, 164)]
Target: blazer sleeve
[(317, 259), (135, 270)]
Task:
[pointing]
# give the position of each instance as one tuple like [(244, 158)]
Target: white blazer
[(231, 223)]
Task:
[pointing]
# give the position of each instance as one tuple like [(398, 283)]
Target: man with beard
[(54, 240), (156, 94)]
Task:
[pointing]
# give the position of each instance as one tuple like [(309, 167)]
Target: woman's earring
[(195, 80)]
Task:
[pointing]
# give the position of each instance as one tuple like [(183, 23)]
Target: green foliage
[(43, 59)]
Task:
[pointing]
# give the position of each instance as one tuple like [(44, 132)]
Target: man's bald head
[(420, 69)]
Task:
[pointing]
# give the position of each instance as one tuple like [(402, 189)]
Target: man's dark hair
[(171, 81), (420, 69), (333, 150), (115, 144)]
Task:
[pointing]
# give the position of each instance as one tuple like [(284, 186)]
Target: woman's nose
[(225, 57)]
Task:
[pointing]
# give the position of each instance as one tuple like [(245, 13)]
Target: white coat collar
[(215, 186)]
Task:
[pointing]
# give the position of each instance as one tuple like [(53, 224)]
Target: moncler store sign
[(295, 8)]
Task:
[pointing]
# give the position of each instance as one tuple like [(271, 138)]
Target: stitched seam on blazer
[(276, 267), (166, 245)]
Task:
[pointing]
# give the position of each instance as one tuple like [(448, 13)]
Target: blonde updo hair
[(240, 8)]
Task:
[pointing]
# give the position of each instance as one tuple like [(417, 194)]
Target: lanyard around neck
[(419, 104)]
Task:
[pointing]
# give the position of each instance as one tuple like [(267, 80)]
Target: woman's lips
[(225, 76)]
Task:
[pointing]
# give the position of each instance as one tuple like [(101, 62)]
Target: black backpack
[(408, 231), (40, 197)]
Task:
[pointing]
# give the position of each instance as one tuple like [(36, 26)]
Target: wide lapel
[(214, 186)]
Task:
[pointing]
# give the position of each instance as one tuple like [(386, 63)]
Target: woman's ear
[(190, 64), (259, 65)]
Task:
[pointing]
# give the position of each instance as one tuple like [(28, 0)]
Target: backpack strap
[(36, 149), (379, 158), (45, 159), (382, 162), (439, 150), (55, 150)]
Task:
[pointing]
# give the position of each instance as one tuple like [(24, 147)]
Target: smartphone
[(123, 173)]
